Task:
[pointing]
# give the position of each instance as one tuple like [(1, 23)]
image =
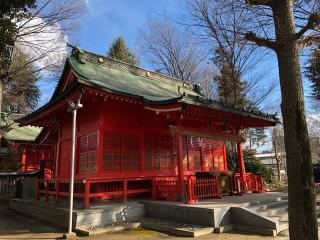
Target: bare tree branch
[(250, 36), (260, 2), (313, 21)]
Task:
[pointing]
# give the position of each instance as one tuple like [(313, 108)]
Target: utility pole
[(73, 107)]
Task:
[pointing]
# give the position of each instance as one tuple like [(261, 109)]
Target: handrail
[(88, 189)]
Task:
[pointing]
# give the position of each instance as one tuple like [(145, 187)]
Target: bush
[(254, 165), (13, 164)]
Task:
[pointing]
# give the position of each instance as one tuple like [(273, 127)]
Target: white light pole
[(72, 108)]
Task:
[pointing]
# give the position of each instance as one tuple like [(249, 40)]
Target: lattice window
[(191, 153), (121, 152), (218, 156), (159, 152), (208, 155), (88, 153)]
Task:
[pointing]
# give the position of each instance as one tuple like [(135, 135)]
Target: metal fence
[(12, 184)]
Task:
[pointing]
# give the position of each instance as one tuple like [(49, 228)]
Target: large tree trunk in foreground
[(1, 96), (302, 215)]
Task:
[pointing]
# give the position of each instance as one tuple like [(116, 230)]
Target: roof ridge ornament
[(198, 89), (181, 94), (77, 53)]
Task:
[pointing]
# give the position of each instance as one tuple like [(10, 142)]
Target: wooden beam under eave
[(210, 136)]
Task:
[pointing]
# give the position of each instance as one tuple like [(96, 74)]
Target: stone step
[(273, 205), (255, 229), (283, 226), (175, 228), (271, 211), (265, 201), (282, 216)]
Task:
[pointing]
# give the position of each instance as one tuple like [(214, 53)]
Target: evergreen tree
[(313, 73), (231, 88), (11, 12), (121, 52), (21, 94), (232, 92)]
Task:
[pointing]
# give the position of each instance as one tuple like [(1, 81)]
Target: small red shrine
[(139, 133)]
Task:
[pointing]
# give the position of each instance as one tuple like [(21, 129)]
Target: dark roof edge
[(54, 94), (48, 104), (219, 106)]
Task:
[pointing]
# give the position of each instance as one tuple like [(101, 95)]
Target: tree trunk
[(1, 97), (302, 215), (278, 169), (277, 160)]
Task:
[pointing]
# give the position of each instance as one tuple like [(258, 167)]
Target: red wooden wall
[(121, 139)]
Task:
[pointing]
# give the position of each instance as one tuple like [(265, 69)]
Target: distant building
[(269, 160)]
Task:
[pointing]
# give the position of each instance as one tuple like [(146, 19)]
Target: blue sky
[(104, 20), (107, 19)]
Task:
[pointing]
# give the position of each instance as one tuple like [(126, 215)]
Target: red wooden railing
[(160, 188), (249, 183), (94, 188), (165, 188), (203, 188)]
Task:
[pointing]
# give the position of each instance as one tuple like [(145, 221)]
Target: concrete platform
[(100, 214), (229, 211), (213, 213)]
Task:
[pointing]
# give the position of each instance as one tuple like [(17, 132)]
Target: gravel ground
[(16, 226), (182, 226), (148, 235)]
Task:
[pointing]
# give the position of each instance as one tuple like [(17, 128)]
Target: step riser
[(271, 207), (273, 212), (265, 202), (276, 211)]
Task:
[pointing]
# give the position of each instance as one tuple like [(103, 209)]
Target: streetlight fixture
[(73, 107)]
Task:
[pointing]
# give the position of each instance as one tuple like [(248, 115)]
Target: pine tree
[(11, 12), (313, 73), (231, 88), (232, 92), (21, 93), (121, 52)]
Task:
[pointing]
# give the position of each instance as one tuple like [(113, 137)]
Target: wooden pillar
[(23, 160), (240, 184), (125, 190), (57, 190), (202, 160), (100, 152), (86, 194), (142, 152), (42, 156), (241, 167), (180, 164), (46, 194)]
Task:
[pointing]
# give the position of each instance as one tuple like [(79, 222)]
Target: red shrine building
[(139, 133)]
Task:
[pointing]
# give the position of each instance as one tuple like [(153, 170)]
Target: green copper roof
[(25, 133), (124, 79), (117, 81)]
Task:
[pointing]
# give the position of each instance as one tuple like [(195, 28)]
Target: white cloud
[(45, 44)]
